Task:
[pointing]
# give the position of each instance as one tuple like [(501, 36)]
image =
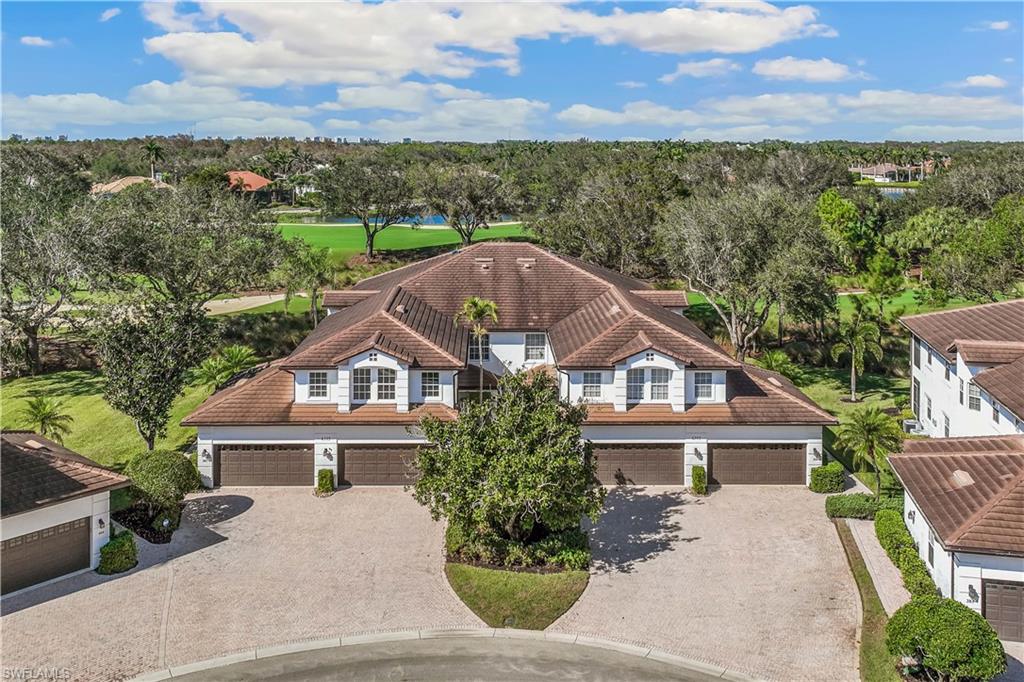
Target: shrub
[(325, 482), (172, 516), (161, 479), (828, 478), (699, 476), (915, 574), (892, 532), (852, 506), (948, 639), (566, 549), (118, 555)]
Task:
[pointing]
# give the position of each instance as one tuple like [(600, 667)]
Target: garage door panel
[(758, 464), (255, 465), (45, 554), (1004, 608), (379, 465), (638, 464)]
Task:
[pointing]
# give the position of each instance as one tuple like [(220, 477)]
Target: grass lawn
[(297, 306), (529, 601), (346, 241), (876, 664), (98, 431)]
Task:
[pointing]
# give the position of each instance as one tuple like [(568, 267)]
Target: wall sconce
[(101, 524), (698, 454), (911, 515), (328, 454), (816, 454), (972, 594), (206, 455)]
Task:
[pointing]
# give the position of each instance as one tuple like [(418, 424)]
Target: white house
[(964, 506), (55, 510), (662, 396), (967, 370)]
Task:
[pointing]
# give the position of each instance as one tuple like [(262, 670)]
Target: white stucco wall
[(508, 352), (447, 384), (96, 507)]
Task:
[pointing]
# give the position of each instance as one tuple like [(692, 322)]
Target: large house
[(967, 370), (662, 396), (55, 508)]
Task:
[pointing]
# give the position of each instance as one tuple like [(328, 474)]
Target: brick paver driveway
[(751, 578), (249, 567)]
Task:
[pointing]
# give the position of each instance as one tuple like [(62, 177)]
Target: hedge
[(892, 533), (699, 477), (828, 478), (949, 640), (325, 481), (915, 574), (897, 542), (859, 505), (568, 549), (118, 555)]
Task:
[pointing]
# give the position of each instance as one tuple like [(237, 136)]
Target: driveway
[(249, 567), (751, 578)]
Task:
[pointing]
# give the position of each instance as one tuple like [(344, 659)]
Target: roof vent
[(485, 263), (527, 263), (400, 308), (614, 310), (774, 382), (35, 445), (960, 479)]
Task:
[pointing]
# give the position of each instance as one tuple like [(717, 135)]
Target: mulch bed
[(502, 567), (137, 520)]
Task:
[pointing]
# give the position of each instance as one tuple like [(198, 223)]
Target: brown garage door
[(379, 465), (46, 554), (758, 463), (265, 465), (1004, 608), (637, 464)]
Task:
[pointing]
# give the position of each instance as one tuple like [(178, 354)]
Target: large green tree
[(467, 197), (511, 465)]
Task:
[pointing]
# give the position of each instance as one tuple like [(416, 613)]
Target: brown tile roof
[(667, 298), (1005, 383), (347, 297), (971, 490), (992, 322), (987, 352), (36, 472)]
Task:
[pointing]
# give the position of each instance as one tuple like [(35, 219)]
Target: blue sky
[(717, 70)]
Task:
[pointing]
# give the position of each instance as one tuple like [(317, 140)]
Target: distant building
[(101, 189)]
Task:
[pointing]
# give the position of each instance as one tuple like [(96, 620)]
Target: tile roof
[(347, 297), (251, 182), (668, 298), (115, 186), (971, 490), (991, 322), (36, 472), (1005, 383), (987, 352)]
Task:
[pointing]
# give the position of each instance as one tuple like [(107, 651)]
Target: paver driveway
[(249, 567), (750, 578)]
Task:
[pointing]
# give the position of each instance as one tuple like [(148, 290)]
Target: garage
[(254, 465), (44, 555), (758, 463), (378, 465), (639, 464), (1003, 607)]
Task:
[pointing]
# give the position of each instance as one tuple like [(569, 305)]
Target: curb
[(680, 662)]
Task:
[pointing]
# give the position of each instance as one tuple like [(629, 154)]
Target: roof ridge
[(714, 346), (960, 310), (786, 394), (980, 512), (419, 336), (597, 338), (97, 468)]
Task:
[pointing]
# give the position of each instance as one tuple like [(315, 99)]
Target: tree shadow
[(65, 384), (636, 526)]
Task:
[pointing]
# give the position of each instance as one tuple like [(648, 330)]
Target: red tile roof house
[(964, 506), (662, 396), (56, 510)]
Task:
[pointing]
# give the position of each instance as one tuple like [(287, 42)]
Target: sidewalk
[(887, 578)]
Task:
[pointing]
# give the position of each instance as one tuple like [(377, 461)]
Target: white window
[(373, 356), (917, 353), (317, 385), (973, 397), (702, 386), (361, 383), (535, 347), (386, 383), (430, 383), (945, 425), (591, 384), (480, 347), (961, 391), (659, 384), (634, 385), (995, 412), (928, 401), (649, 357)]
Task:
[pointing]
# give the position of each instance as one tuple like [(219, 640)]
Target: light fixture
[(101, 523), (972, 594), (911, 515), (328, 453), (816, 454), (698, 454), (206, 455)]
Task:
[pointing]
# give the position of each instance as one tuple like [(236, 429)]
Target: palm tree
[(224, 364), (154, 153), (857, 339), (778, 361), (46, 416), (474, 311), (307, 268), (872, 436)]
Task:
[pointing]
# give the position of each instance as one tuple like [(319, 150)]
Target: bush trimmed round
[(699, 478), (828, 478), (162, 478), (947, 638), (118, 555)]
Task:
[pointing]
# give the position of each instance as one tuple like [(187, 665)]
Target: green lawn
[(297, 306), (868, 182), (876, 664), (509, 599), (346, 241), (99, 432)]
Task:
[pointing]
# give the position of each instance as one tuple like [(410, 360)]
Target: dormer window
[(535, 346), (361, 384), (317, 385), (659, 383), (386, 383), (591, 384), (373, 384), (703, 388), (634, 385)]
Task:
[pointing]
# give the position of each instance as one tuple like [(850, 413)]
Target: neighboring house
[(247, 181), (967, 370), (104, 189), (662, 396), (964, 506), (55, 510)]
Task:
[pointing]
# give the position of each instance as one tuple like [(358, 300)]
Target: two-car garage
[(291, 464), (728, 463)]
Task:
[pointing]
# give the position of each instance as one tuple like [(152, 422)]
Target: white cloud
[(235, 126), (631, 85), (991, 26), (985, 81), (705, 69), (109, 14), (36, 41), (938, 133), (751, 133), (643, 112), (471, 120), (809, 107), (811, 70), (889, 105), (406, 96), (273, 44), (1008, 60), (342, 124)]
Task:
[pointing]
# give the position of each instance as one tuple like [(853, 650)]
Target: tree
[(46, 416), (467, 197), (872, 436), (857, 338), (777, 361), (154, 153), (885, 279), (849, 234), (474, 312), (923, 232), (160, 480), (147, 353), (512, 466), (378, 192), (224, 364), (42, 242), (306, 268)]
